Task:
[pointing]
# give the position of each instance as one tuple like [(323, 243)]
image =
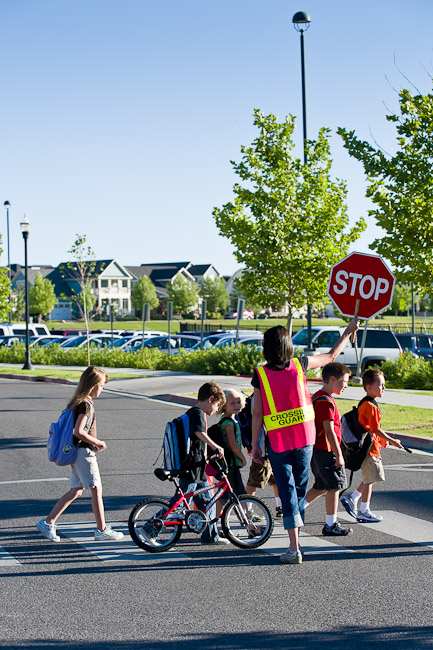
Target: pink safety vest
[(288, 412)]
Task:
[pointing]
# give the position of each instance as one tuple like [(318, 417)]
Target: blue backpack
[(60, 445), (177, 443)]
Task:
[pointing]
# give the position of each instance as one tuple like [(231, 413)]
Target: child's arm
[(231, 439), (203, 436), (393, 441), (79, 433), (328, 426)]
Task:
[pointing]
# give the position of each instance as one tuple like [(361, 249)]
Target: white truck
[(35, 329), (380, 345)]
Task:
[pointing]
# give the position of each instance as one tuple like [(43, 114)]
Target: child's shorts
[(260, 475), (326, 475), (235, 480), (372, 470), (85, 470)]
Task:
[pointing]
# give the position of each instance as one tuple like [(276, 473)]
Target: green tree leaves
[(216, 294), (144, 291), (42, 298), (183, 293), (401, 187), (288, 223)]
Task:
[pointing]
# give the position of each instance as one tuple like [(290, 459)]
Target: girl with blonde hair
[(84, 471)]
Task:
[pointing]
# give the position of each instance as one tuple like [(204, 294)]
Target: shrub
[(408, 372)]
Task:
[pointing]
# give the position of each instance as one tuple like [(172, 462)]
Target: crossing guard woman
[(282, 403)]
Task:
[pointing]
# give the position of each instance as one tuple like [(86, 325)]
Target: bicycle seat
[(164, 474)]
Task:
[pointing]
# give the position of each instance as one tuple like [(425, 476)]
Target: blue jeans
[(291, 471), (210, 533)]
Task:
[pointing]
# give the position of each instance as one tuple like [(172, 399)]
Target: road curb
[(51, 380)]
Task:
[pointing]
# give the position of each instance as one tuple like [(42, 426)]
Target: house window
[(125, 284), (104, 284), (115, 283), (125, 305)]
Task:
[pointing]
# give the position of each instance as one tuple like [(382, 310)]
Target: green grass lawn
[(74, 375), (401, 419), (298, 323)]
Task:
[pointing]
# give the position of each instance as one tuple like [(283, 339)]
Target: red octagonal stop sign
[(362, 277)]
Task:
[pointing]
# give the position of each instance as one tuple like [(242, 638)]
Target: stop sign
[(363, 277)]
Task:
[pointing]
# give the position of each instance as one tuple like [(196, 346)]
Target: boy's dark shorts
[(235, 480), (260, 475), (326, 475)]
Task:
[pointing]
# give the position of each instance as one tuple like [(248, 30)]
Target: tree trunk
[(290, 320)]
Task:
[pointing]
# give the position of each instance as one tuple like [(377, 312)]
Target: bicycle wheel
[(149, 529), (249, 525)]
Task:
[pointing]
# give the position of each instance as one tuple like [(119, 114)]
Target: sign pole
[(364, 336)]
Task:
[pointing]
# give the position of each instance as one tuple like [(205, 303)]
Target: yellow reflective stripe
[(289, 418), (301, 380), (267, 389)]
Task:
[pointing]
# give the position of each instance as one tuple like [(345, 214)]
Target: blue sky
[(119, 118)]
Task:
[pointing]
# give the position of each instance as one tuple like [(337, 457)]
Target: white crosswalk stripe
[(405, 527), (279, 542), (396, 524), (111, 551), (7, 560)]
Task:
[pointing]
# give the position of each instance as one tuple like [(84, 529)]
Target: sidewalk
[(179, 387)]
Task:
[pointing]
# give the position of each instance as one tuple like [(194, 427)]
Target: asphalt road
[(373, 589)]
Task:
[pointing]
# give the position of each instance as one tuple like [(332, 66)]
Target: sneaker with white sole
[(254, 517), (49, 530), (147, 537), (368, 517), (107, 534), (350, 506), (289, 557)]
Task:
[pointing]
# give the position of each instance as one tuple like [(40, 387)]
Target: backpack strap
[(324, 398)]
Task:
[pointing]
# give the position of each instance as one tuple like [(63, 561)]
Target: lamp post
[(7, 206), (25, 229), (301, 22)]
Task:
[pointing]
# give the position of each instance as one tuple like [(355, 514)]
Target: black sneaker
[(336, 530), (278, 513)]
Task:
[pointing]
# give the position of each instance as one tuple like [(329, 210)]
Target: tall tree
[(401, 300), (183, 294), (42, 298), (144, 291), (401, 187), (288, 221), (82, 270), (216, 294)]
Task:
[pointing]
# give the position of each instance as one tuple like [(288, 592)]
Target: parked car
[(420, 345), (380, 345), (8, 341), (98, 340), (246, 339), (41, 341), (248, 314), (35, 329)]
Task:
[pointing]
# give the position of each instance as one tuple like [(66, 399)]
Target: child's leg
[(63, 503), (366, 492), (98, 507), (312, 495)]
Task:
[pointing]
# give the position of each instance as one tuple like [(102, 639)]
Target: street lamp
[(25, 229), (301, 22), (7, 206)]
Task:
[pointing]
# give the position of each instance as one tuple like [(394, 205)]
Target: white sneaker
[(368, 517), (289, 557), (49, 530), (147, 538), (107, 534)]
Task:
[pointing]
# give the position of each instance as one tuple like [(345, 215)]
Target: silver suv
[(380, 345)]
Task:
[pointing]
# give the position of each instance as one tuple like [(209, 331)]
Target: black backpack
[(215, 433), (355, 440), (245, 419)]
